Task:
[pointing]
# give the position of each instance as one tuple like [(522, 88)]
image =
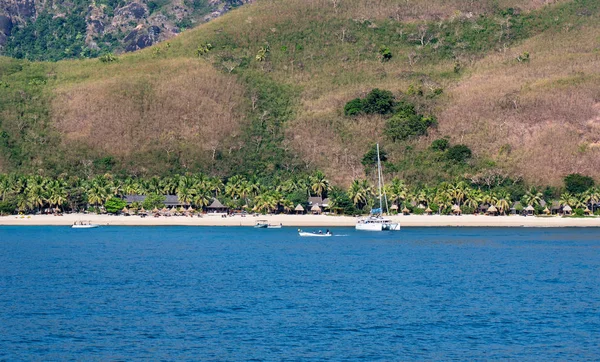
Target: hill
[(262, 90)]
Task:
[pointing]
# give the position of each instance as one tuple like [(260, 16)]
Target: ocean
[(238, 293)]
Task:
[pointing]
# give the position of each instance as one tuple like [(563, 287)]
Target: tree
[(354, 107), (379, 102), (403, 126), (319, 183), (153, 201), (577, 183), (115, 204), (459, 153)]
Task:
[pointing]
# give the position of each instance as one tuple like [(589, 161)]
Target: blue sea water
[(198, 293)]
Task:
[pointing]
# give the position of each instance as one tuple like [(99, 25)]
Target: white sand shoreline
[(302, 220)]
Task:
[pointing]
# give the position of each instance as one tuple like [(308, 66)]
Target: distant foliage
[(407, 123), (108, 58), (441, 144), (114, 205), (370, 158), (459, 153), (154, 201), (385, 54), (576, 183), (354, 107), (203, 49), (376, 102)]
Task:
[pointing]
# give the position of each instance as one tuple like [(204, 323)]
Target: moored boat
[(261, 224)]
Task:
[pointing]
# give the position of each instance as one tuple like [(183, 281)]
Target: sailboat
[(375, 221)]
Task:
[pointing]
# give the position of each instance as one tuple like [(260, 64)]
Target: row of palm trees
[(34, 193), (446, 195)]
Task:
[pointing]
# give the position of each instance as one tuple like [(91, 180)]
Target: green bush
[(114, 205), (354, 107), (578, 212), (440, 144), (459, 153), (7, 207), (154, 201), (385, 53), (379, 102), (577, 183)]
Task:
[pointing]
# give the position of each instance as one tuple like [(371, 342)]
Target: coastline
[(300, 220)]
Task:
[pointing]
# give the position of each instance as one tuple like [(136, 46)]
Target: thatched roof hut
[(421, 206), (530, 210), (567, 210), (405, 211), (299, 209), (492, 210), (428, 211), (546, 211), (587, 211), (315, 209), (394, 207)]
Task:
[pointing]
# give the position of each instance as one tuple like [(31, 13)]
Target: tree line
[(32, 194)]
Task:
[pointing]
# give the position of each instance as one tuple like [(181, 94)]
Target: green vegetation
[(258, 93), (104, 194), (576, 183)]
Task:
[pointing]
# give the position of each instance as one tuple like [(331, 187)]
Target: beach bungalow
[(428, 211), (405, 211), (567, 210), (546, 210), (216, 207), (315, 209), (492, 211), (529, 210), (587, 211), (299, 209), (321, 203), (394, 209), (515, 207), (555, 208)]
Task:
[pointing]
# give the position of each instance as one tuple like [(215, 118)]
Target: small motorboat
[(318, 234), (274, 226), (261, 224), (84, 225)]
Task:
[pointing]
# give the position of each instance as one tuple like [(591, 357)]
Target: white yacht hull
[(303, 233), (377, 224)]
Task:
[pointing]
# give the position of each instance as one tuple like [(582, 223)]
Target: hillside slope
[(263, 88)]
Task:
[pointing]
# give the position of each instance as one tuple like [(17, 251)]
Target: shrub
[(7, 207), (403, 126), (370, 158), (385, 54), (577, 183), (108, 58), (578, 212), (154, 201), (459, 153), (114, 205), (440, 144), (379, 102), (354, 107)]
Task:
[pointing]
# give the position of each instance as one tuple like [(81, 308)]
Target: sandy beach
[(302, 220)]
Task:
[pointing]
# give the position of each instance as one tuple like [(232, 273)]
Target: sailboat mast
[(379, 178)]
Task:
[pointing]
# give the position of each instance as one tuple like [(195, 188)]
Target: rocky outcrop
[(134, 25)]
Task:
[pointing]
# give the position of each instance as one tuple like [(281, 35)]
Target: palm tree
[(533, 197), (473, 198), (567, 199), (57, 193), (319, 183), (397, 191), (359, 193)]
